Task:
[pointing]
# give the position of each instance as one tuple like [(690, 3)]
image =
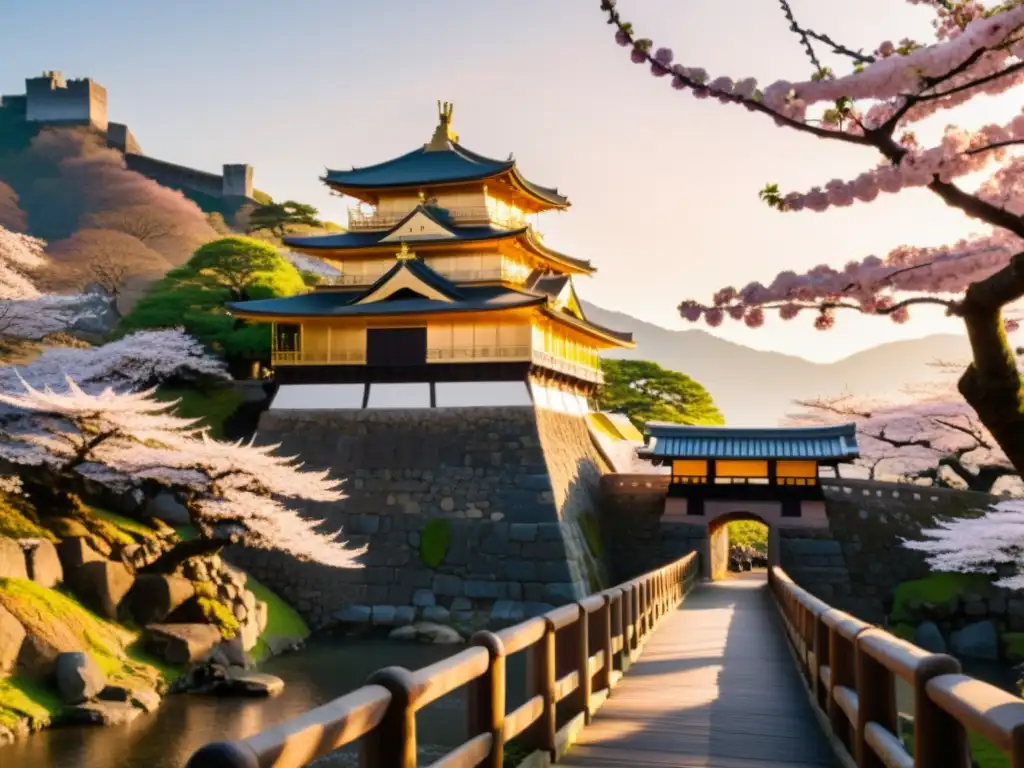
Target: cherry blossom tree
[(135, 362), (11, 215), (132, 444), (990, 543), (978, 50)]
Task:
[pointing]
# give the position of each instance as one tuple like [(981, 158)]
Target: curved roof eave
[(619, 338), (581, 265)]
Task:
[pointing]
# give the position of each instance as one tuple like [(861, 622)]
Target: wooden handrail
[(579, 652), (851, 668)]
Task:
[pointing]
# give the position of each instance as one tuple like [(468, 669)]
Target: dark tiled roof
[(333, 303), (676, 441), (422, 167), (552, 285), (420, 270)]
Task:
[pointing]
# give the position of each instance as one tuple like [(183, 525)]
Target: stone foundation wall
[(516, 487), (636, 538)]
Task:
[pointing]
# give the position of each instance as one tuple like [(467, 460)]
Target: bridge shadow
[(715, 686)]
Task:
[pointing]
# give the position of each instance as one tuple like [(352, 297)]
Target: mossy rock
[(66, 528), (18, 519), (903, 631), (434, 540), (935, 589), (220, 616)]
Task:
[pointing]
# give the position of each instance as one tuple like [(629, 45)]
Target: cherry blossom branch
[(787, 11)]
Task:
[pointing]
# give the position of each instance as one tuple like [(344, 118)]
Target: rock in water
[(12, 560), (44, 566), (12, 635), (976, 641), (78, 677), (181, 643), (251, 684), (100, 713), (407, 632), (928, 636), (154, 597)]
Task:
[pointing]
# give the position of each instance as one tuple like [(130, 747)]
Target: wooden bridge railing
[(851, 669), (578, 653)]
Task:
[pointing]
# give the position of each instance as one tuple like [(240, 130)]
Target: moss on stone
[(22, 699), (124, 524), (66, 527), (903, 631), (592, 533), (282, 620), (434, 540), (18, 519), (936, 589), (1013, 645), (217, 614)]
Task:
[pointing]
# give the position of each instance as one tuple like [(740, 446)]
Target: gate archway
[(716, 554)]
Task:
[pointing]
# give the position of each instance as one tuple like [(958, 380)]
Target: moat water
[(322, 671)]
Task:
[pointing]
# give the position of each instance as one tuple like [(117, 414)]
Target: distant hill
[(753, 388)]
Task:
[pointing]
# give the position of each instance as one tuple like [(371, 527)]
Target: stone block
[(494, 545), (523, 532), (520, 570), (354, 614), (363, 525), (42, 562), (75, 552), (384, 615), (555, 570), (12, 635), (436, 613), (153, 597), (549, 531), (537, 482), (423, 598), (462, 604), (559, 593), (488, 590), (976, 641), (447, 585), (928, 636), (78, 677), (12, 560), (405, 614), (532, 609), (507, 611), (102, 585), (181, 643)]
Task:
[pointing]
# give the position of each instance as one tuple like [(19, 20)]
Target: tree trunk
[(992, 384), (169, 561)]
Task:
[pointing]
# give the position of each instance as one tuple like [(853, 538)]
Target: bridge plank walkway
[(715, 687)]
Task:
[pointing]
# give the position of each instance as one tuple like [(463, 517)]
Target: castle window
[(287, 337)]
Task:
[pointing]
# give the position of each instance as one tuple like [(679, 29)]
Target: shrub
[(434, 540)]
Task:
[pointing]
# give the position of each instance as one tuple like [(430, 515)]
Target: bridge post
[(876, 699), (586, 685), (940, 741), (547, 726), (392, 744), (487, 698), (604, 643), (634, 620)]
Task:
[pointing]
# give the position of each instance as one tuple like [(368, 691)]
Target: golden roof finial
[(404, 254), (443, 136)]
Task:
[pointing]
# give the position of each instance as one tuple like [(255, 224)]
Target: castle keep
[(447, 374), (51, 100)]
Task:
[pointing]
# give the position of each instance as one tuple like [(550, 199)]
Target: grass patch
[(212, 407), (1013, 646), (938, 588), (903, 631), (20, 698), (748, 533), (18, 519), (434, 540), (125, 524), (65, 624), (282, 619)]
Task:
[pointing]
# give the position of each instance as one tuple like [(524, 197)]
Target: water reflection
[(166, 739)]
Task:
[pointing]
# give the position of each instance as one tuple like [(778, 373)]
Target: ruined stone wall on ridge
[(515, 487)]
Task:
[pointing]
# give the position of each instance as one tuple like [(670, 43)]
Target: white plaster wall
[(414, 395), (291, 397), (467, 394)]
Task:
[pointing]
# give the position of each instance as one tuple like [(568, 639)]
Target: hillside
[(752, 387)]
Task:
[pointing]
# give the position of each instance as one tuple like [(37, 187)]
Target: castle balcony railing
[(576, 655), (479, 215), (561, 365), (331, 357), (507, 274), (457, 354)]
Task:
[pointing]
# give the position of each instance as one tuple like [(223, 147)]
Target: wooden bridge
[(662, 671)]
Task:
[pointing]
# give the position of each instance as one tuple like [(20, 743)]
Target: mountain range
[(756, 388)]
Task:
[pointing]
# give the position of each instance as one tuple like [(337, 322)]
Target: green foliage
[(282, 620), (212, 406), (937, 589), (261, 197), (22, 698), (645, 391), (280, 217), (193, 296), (748, 533), (1013, 646), (903, 631), (218, 614), (18, 519), (772, 197), (434, 540), (983, 753)]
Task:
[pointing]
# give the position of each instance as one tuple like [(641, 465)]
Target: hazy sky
[(664, 186)]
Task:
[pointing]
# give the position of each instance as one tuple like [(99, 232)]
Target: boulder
[(12, 560), (250, 684), (37, 657), (976, 641), (408, 632), (100, 713), (140, 698), (42, 562), (167, 509), (439, 634), (153, 597), (231, 654), (181, 643), (102, 584), (249, 633), (74, 552), (68, 527), (262, 615), (12, 635), (928, 636), (78, 677)]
